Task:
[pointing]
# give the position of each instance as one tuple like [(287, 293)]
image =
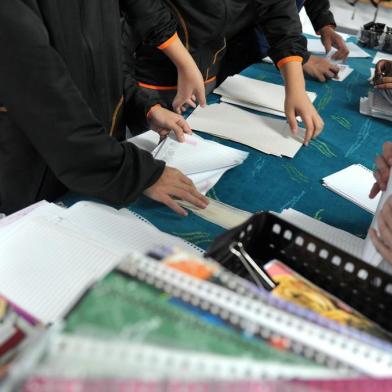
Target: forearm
[(178, 54), (319, 13), (282, 28), (293, 76)]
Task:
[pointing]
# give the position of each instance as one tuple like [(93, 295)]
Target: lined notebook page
[(117, 229), (334, 236), (45, 268)]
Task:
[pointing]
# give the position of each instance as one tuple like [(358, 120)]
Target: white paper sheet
[(316, 46), (256, 92), (197, 155), (344, 72), (45, 268), (265, 134), (120, 228), (220, 213), (203, 161), (354, 184), (382, 56)]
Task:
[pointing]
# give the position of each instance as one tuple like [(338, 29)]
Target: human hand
[(173, 184), (383, 67), (164, 121), (298, 104), (190, 88), (383, 241), (384, 164), (320, 68), (330, 38)]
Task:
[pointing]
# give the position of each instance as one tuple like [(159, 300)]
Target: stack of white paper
[(377, 104), (255, 94), (203, 161), (265, 134), (354, 183)]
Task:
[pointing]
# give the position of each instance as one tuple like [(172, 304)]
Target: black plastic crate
[(266, 237)]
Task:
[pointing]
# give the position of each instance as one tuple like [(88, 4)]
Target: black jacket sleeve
[(45, 104), (151, 20), (137, 101), (282, 28), (319, 13)]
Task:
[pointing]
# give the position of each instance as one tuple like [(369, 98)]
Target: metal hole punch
[(261, 278)]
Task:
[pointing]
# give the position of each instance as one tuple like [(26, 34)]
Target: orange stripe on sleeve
[(289, 59), (167, 43)]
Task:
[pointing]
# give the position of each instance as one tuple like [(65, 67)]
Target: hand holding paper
[(384, 164), (298, 103), (330, 38)]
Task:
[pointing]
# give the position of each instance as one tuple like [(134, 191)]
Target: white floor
[(350, 19)]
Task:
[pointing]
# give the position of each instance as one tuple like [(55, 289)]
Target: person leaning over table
[(324, 24), (383, 240), (63, 105), (205, 27)]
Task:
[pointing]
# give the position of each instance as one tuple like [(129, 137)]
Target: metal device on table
[(376, 36)]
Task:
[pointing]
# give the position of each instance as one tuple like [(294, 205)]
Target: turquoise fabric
[(265, 182)]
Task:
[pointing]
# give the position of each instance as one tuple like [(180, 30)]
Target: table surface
[(266, 182), (263, 182)]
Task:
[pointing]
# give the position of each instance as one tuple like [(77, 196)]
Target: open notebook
[(354, 184), (51, 256), (203, 161), (255, 94), (268, 135)]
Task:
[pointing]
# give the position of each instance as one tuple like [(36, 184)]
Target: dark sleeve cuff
[(323, 20)]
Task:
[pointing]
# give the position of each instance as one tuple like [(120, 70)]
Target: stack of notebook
[(377, 104)]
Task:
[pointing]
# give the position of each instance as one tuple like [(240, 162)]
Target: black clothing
[(205, 27), (62, 87)]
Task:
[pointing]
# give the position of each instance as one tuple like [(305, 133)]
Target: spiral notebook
[(354, 184), (303, 337)]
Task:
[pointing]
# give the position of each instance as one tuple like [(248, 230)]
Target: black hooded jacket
[(205, 27), (63, 104)]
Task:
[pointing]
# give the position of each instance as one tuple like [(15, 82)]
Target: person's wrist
[(326, 29), (151, 111)]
